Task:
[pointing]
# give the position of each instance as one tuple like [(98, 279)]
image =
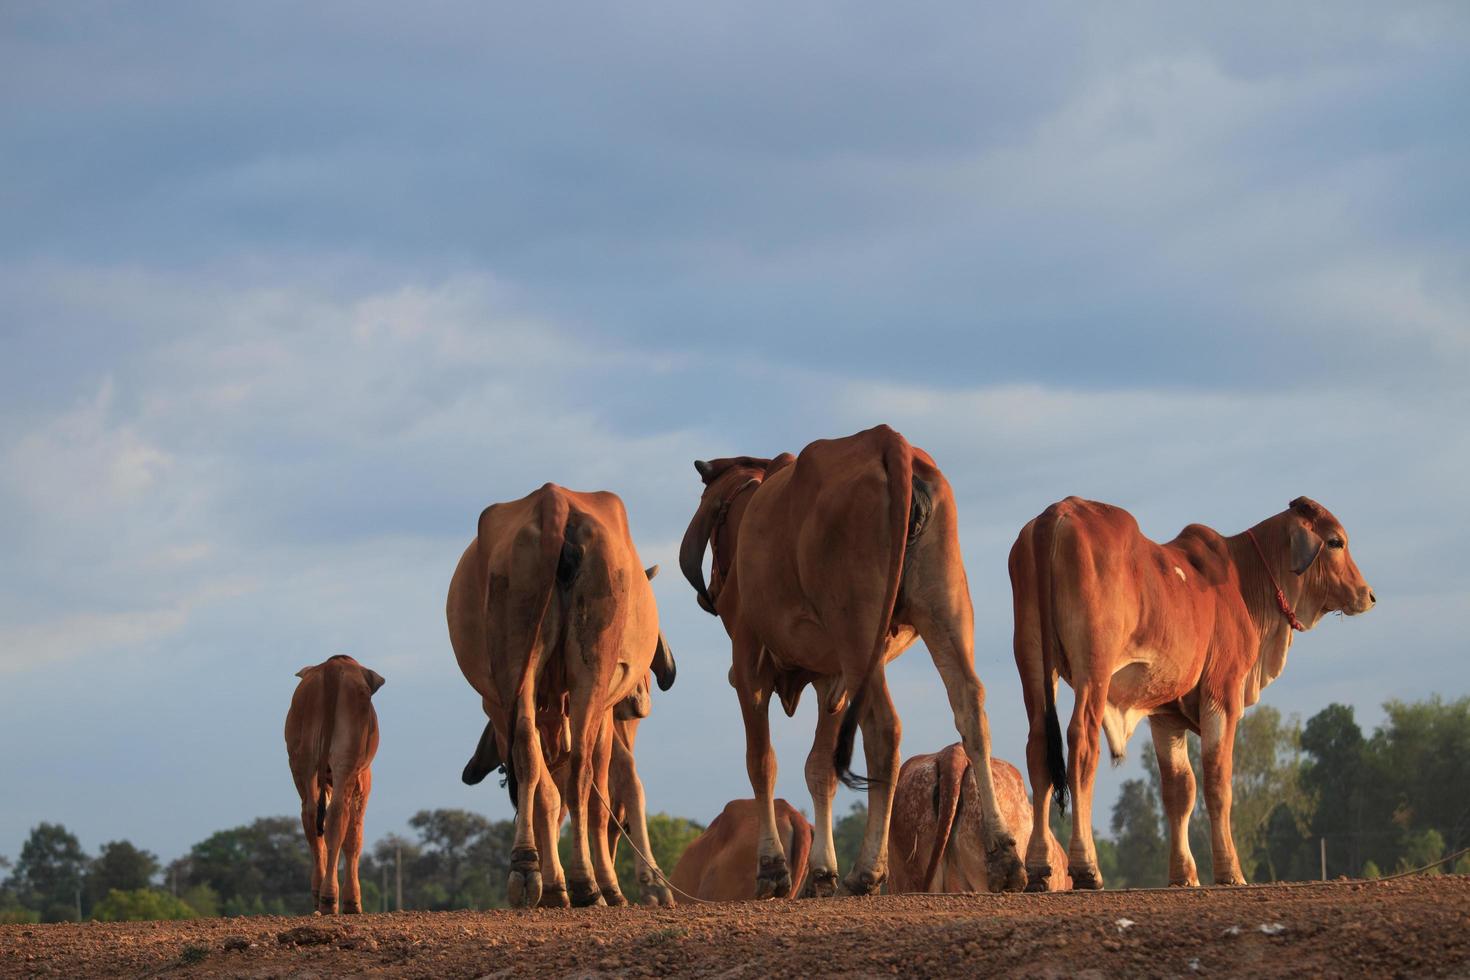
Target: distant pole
[(79, 903), (1322, 844), (383, 892), (398, 873)]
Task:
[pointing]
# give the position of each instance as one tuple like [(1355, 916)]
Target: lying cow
[(716, 865), (331, 738), (826, 566), (553, 621), (1184, 633), (625, 794), (937, 843)]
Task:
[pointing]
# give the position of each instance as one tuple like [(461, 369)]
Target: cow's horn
[(691, 551), (705, 470)]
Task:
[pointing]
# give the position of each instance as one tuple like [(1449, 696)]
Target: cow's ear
[(663, 663), (651, 571), (374, 680), (1305, 547)]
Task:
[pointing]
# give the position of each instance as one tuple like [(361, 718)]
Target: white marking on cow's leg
[(1217, 747), (821, 780), (1176, 782), (881, 733)]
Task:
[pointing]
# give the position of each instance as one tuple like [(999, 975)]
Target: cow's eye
[(1334, 542)]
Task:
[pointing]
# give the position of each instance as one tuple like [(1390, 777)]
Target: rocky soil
[(1409, 927)]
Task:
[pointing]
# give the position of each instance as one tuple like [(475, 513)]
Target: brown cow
[(827, 566), (1185, 634), (331, 738), (551, 617), (716, 865), (938, 843), (625, 795)]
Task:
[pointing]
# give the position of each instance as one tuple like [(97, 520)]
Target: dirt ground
[(1410, 927)]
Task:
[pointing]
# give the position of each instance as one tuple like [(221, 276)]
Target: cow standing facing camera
[(331, 738)]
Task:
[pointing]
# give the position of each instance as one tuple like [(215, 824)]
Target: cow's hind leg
[(628, 790), (1176, 783), (821, 780), (352, 842), (309, 790), (602, 862), (523, 883), (1083, 737), (881, 732), (773, 873), (951, 645), (586, 724), (547, 825), (338, 815)]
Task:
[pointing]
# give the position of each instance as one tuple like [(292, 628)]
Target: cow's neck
[(1271, 631), (725, 535)]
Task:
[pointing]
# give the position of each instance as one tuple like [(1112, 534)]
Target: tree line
[(1395, 800)]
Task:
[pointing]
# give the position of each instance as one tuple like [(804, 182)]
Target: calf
[(331, 738)]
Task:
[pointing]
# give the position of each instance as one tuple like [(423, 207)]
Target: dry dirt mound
[(1410, 927)]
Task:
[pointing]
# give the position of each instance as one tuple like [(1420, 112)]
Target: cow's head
[(722, 479), (1319, 552)]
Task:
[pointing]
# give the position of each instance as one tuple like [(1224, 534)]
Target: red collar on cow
[(720, 516), (1281, 602)]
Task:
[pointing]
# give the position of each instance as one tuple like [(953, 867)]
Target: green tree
[(1335, 777), (1141, 852), (49, 873), (1421, 849), (141, 905), (118, 866), (847, 836), (259, 868), (1420, 762), (453, 869)]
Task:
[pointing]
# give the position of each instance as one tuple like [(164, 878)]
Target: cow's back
[(716, 865)]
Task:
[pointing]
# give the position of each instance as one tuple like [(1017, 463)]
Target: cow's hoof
[(1038, 879), (326, 905), (863, 883), (613, 897), (523, 888), (352, 908), (820, 884), (1230, 879), (585, 894), (658, 895), (1085, 879), (1004, 871), (1184, 883), (774, 878), (554, 896)]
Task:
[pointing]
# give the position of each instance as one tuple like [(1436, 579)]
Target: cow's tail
[(329, 678), (898, 462), (799, 853), (949, 771), (555, 565), (1044, 542)]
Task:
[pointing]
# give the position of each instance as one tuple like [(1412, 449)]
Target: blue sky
[(290, 295)]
